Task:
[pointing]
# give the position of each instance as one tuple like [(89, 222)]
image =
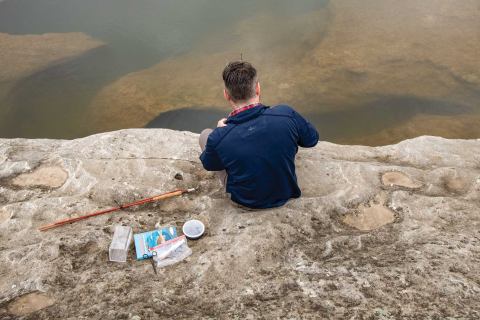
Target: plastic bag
[(171, 252)]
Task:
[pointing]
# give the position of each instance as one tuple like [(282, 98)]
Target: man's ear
[(257, 89), (226, 95)]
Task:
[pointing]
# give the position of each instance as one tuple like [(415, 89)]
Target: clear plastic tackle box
[(121, 241)]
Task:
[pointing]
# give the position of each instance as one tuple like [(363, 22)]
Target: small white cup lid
[(193, 229)]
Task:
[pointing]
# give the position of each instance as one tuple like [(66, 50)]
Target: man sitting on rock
[(253, 150)]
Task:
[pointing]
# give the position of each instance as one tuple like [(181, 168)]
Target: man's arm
[(209, 157), (307, 132)]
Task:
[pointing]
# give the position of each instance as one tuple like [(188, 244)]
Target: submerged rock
[(417, 257), (24, 55)]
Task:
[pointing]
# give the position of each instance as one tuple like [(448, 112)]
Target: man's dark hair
[(240, 79)]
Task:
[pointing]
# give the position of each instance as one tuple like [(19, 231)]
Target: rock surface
[(29, 303), (299, 261), (351, 54)]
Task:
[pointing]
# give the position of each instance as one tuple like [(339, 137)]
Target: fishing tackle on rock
[(68, 221), (154, 253)]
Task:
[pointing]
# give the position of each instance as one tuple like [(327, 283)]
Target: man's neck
[(239, 105)]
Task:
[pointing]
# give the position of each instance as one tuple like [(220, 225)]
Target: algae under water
[(363, 72)]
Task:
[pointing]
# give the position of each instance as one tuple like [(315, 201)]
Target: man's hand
[(221, 123)]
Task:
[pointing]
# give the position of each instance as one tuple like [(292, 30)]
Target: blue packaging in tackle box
[(150, 239)]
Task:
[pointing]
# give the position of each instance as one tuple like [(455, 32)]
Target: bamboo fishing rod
[(72, 220)]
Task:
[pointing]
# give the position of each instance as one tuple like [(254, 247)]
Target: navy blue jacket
[(257, 148)]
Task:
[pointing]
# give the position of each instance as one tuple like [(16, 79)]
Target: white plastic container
[(193, 229), (121, 241)]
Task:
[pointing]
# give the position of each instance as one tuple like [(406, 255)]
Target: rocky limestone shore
[(379, 233)]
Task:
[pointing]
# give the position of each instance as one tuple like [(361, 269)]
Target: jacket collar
[(247, 114), (248, 106)]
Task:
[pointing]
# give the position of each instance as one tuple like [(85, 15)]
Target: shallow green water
[(140, 34), (52, 103)]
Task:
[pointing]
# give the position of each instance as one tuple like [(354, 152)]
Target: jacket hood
[(247, 114)]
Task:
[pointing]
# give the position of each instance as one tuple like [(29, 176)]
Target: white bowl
[(193, 229)]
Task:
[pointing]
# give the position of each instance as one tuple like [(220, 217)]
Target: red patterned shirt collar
[(238, 110)]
